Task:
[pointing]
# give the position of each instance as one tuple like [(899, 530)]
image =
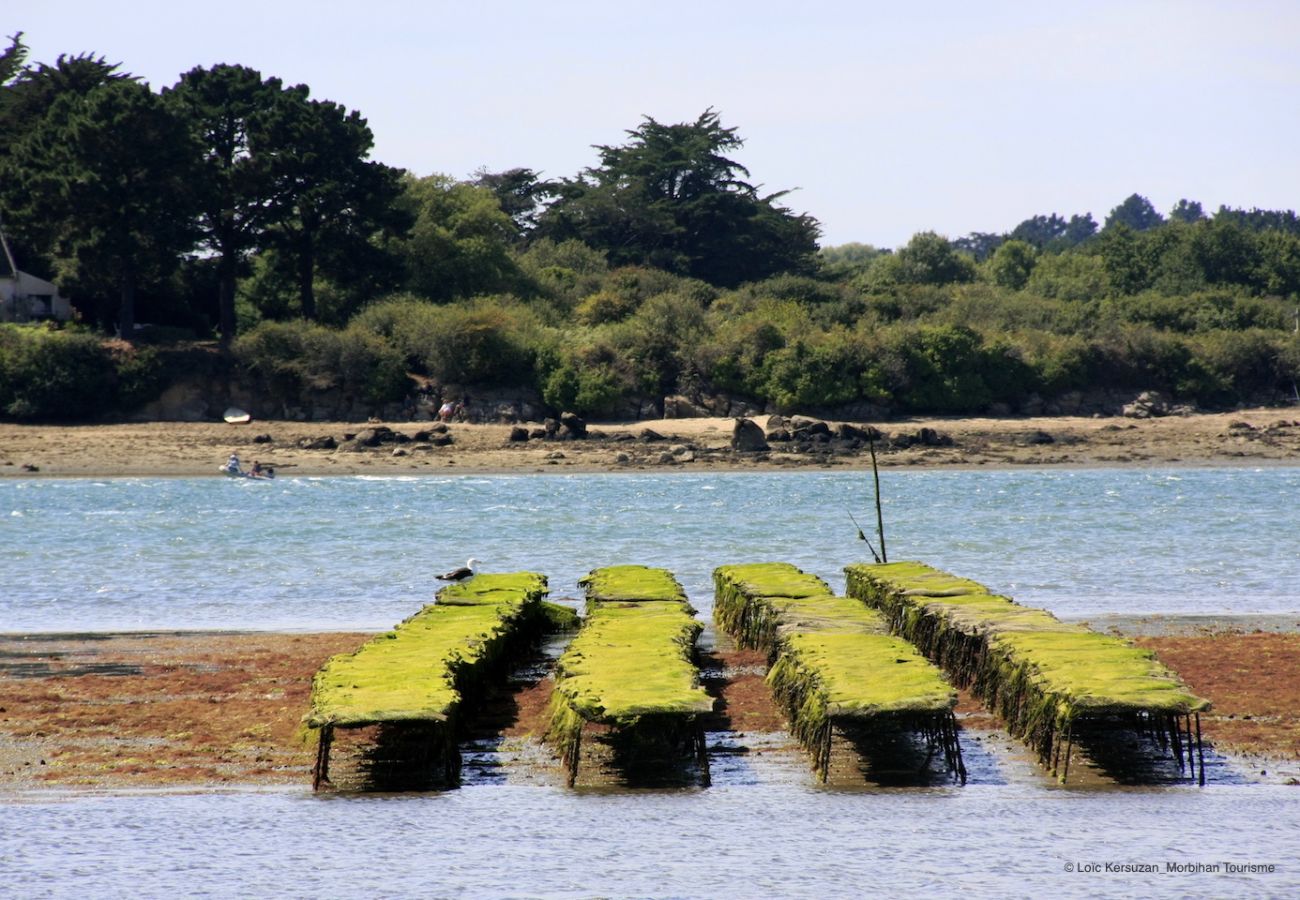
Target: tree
[(459, 244), (109, 173), (1188, 211), (325, 199), (11, 60), (929, 258), (224, 106), (27, 96), (673, 199), (1039, 231), (1012, 264), (520, 194), (980, 245), (1136, 212)]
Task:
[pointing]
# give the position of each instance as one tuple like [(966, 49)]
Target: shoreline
[(1244, 438)]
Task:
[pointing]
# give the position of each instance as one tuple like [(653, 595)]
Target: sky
[(883, 119)]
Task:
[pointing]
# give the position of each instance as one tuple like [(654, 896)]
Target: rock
[(931, 438), (1032, 438), (441, 440), (325, 442), (538, 434), (551, 426), (518, 434), (263, 439), (803, 426), (422, 436), (688, 456), (649, 435), (778, 423), (554, 454), (925, 437), (666, 459), (777, 435), (679, 407), (438, 428), (747, 437), (1146, 405), (29, 467), (372, 437), (622, 459), (573, 425), (847, 431)]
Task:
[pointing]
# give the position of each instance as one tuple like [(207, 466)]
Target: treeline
[(232, 206)]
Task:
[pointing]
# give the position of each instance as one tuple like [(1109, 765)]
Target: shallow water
[(359, 552), (327, 553), (745, 841)]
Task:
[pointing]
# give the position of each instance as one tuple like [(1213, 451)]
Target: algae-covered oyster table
[(632, 669), (1046, 678), (834, 664), (410, 682)]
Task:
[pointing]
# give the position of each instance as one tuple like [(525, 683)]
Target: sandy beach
[(1245, 437)]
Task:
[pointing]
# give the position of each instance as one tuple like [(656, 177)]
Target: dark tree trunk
[(126, 316), (306, 275), (226, 297)]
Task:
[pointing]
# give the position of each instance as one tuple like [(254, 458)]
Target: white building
[(25, 297)]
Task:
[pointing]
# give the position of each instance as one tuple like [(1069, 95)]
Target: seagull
[(465, 571)]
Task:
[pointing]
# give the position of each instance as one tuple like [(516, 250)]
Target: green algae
[(632, 660), (636, 584), (833, 659), (1042, 675), (420, 672)]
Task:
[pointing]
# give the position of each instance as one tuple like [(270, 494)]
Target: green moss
[(632, 583), (632, 661), (1039, 673), (832, 657), (418, 671)]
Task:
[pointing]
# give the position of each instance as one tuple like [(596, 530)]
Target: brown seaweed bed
[(211, 710)]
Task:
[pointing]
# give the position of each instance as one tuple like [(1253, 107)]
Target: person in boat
[(232, 465), (256, 471)]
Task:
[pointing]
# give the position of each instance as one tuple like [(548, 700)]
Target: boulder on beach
[(747, 437)]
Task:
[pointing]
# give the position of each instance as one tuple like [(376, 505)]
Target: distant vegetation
[(232, 207)]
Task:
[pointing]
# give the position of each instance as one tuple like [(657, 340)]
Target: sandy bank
[(1247, 437)]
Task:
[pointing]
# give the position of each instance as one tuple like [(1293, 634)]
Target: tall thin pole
[(875, 473)]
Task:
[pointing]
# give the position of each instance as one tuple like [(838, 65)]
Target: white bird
[(465, 571)]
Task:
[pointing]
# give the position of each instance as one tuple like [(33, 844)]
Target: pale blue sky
[(889, 118)]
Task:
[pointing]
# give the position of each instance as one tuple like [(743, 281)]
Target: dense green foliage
[(231, 202), (71, 374)]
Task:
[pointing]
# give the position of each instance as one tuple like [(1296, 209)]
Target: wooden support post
[(1200, 749), (702, 754), (320, 772)]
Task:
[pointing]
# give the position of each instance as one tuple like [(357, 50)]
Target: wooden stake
[(875, 473), (1200, 748)]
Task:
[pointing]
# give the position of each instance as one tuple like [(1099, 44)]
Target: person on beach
[(232, 465)]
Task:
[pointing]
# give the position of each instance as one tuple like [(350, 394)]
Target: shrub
[(70, 375), (295, 357), (492, 340)]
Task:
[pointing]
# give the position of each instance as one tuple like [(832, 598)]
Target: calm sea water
[(360, 552)]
